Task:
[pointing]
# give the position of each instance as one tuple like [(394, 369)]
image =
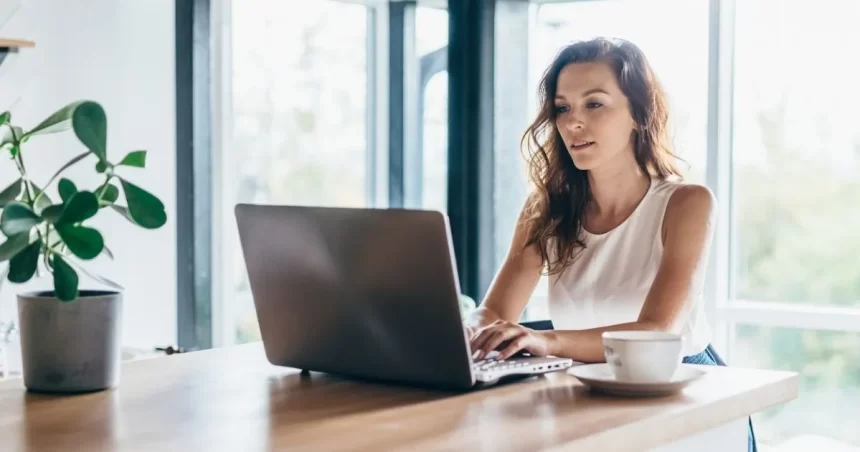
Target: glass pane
[(431, 41), (431, 29), (796, 152), (679, 58), (829, 364), (299, 115), (435, 143)]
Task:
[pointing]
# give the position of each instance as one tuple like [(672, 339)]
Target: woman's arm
[(512, 286), (687, 231)]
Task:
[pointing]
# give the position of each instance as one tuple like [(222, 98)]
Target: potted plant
[(70, 338)]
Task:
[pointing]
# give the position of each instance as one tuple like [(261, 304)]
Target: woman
[(624, 241)]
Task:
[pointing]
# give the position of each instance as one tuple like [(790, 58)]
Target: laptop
[(366, 293)]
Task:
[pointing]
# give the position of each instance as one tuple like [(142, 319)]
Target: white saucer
[(599, 377)]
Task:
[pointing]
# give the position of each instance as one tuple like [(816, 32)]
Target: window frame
[(194, 172), (718, 169)]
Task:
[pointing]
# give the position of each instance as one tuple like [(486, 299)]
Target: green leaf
[(5, 117), (23, 265), (136, 158), (145, 209), (101, 167), (67, 189), (81, 206), (123, 210), (84, 242), (110, 195), (14, 150), (11, 192), (17, 218), (52, 214), (58, 121), (13, 245), (43, 201), (90, 125), (65, 279), (11, 134)]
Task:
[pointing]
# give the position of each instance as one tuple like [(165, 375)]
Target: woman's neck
[(617, 189)]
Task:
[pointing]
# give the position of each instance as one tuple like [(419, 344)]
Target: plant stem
[(19, 159), (48, 261), (47, 245), (19, 162), (20, 166), (104, 187), (39, 231), (29, 191)]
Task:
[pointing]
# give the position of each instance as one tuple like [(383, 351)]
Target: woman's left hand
[(512, 337)]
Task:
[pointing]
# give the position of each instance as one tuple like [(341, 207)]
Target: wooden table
[(233, 399)]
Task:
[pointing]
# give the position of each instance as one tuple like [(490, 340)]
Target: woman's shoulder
[(678, 195), (689, 204), (687, 195)]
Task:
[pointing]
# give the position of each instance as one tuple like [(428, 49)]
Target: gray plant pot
[(70, 347)]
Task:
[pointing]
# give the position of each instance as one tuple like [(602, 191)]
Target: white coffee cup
[(642, 356)]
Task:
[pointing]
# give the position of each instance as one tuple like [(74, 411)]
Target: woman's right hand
[(471, 331)]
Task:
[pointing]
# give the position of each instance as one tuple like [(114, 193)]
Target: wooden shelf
[(16, 43)]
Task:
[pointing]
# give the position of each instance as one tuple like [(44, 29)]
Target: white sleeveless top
[(609, 279)]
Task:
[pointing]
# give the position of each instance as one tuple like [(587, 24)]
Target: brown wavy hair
[(555, 208)]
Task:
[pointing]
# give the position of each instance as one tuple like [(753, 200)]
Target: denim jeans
[(710, 357)]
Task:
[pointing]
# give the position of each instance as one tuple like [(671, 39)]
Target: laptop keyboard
[(494, 364)]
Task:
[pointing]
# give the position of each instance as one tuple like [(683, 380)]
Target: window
[(681, 64), (829, 363), (797, 154), (431, 47), (435, 143), (795, 250), (300, 136)]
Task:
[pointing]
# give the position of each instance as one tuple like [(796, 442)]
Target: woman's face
[(593, 115)]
